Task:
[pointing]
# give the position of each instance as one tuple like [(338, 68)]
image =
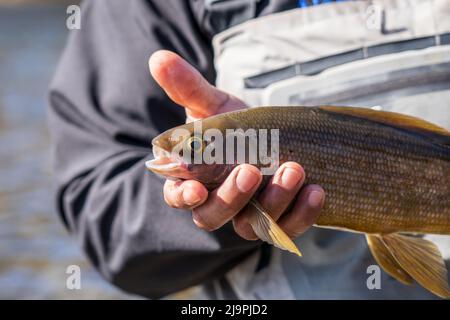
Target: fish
[(386, 175)]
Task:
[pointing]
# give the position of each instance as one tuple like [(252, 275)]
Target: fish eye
[(195, 144)]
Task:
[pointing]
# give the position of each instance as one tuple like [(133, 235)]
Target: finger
[(227, 200), (305, 211), (184, 194), (282, 189), (276, 197), (185, 85)]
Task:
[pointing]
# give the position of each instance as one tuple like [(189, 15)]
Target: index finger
[(227, 200)]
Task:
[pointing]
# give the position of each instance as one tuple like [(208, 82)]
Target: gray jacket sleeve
[(104, 111)]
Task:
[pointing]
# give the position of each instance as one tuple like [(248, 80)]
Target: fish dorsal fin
[(386, 260), (401, 121), (422, 260)]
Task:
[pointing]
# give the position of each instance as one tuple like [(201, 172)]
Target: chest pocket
[(390, 55)]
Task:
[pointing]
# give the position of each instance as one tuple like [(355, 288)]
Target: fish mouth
[(164, 163), (161, 165)]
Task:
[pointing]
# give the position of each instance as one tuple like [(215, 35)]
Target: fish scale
[(378, 179), (385, 175)]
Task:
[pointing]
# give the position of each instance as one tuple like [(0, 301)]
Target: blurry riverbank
[(35, 250)]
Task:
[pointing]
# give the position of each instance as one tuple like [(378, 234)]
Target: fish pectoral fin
[(421, 259), (268, 230), (386, 260)]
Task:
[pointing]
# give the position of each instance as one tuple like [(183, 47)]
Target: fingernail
[(246, 180), (290, 178), (190, 197), (197, 220), (315, 199)]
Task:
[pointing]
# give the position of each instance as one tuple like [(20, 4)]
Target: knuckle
[(209, 228), (202, 223), (305, 219), (224, 210), (295, 234), (239, 226), (168, 201), (174, 199), (296, 229), (311, 218), (243, 228)]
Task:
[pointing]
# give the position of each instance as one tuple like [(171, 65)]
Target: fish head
[(180, 153)]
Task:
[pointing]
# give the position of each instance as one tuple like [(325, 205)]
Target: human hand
[(211, 210)]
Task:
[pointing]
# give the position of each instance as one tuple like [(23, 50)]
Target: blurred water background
[(35, 249)]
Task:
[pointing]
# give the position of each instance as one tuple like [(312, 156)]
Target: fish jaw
[(171, 166), (165, 164)]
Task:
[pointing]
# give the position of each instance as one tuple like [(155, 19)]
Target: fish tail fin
[(407, 258), (268, 230)]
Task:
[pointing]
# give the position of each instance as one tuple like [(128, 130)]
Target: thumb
[(185, 85)]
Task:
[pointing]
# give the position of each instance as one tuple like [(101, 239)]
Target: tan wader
[(391, 55)]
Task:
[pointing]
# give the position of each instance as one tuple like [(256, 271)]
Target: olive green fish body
[(385, 175), (378, 178)]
